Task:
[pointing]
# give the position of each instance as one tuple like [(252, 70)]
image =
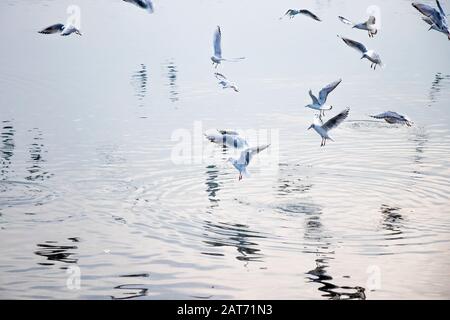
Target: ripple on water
[(17, 193)]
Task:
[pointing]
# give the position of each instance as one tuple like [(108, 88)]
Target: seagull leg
[(240, 176)]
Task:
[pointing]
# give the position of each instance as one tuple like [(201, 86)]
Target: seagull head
[(78, 32), (211, 138), (311, 126)]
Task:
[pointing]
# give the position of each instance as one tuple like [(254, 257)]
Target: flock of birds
[(435, 18)]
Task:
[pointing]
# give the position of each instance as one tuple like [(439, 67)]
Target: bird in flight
[(370, 55), (369, 25), (319, 103), (436, 19), (323, 129), (291, 13), (245, 158), (217, 43), (143, 4), (223, 81), (63, 30)]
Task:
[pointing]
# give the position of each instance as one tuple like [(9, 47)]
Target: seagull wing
[(440, 8), (149, 7), (217, 43), (323, 94), (346, 21), (313, 97), (220, 76), (355, 45), (337, 120), (247, 154), (53, 29), (387, 114), (229, 132), (309, 14)]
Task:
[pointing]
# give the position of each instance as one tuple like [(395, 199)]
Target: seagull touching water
[(245, 158), (393, 117)]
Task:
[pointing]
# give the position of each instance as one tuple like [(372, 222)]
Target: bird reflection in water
[(440, 80), (55, 252), (223, 234), (36, 150), (139, 80), (212, 185), (171, 74), (392, 220), (324, 254), (7, 148)]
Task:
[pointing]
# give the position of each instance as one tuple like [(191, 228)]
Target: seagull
[(393, 117), (217, 57), (370, 55), (369, 25), (322, 129), (143, 4), (436, 19), (62, 29), (292, 13), (245, 158), (227, 138), (225, 83), (319, 104)]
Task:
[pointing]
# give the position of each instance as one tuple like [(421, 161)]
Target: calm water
[(87, 178)]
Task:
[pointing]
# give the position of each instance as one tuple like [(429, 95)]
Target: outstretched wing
[(355, 45), (344, 20), (309, 14), (323, 94), (428, 11), (53, 29), (337, 120), (440, 8), (217, 43), (229, 132), (247, 155), (313, 97)]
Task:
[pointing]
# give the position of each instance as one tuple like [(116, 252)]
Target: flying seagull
[(369, 25), (245, 158), (217, 42), (322, 129), (292, 13), (63, 30), (225, 83), (227, 138), (436, 19), (370, 55), (319, 104), (393, 117), (143, 4)]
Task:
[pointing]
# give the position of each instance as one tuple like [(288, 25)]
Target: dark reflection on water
[(171, 74), (212, 185), (290, 182), (233, 235), (36, 150), (139, 80), (130, 291), (7, 148), (392, 220), (439, 82), (321, 246), (55, 252)]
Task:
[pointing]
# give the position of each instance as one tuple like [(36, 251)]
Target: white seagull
[(223, 81), (292, 13), (143, 4), (227, 138), (436, 19), (370, 55), (319, 104), (322, 129), (393, 117), (369, 25), (217, 42), (63, 30), (245, 158)]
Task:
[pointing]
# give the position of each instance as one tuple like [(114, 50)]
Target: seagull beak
[(310, 127)]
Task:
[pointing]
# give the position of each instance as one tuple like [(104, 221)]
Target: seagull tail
[(246, 173)]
